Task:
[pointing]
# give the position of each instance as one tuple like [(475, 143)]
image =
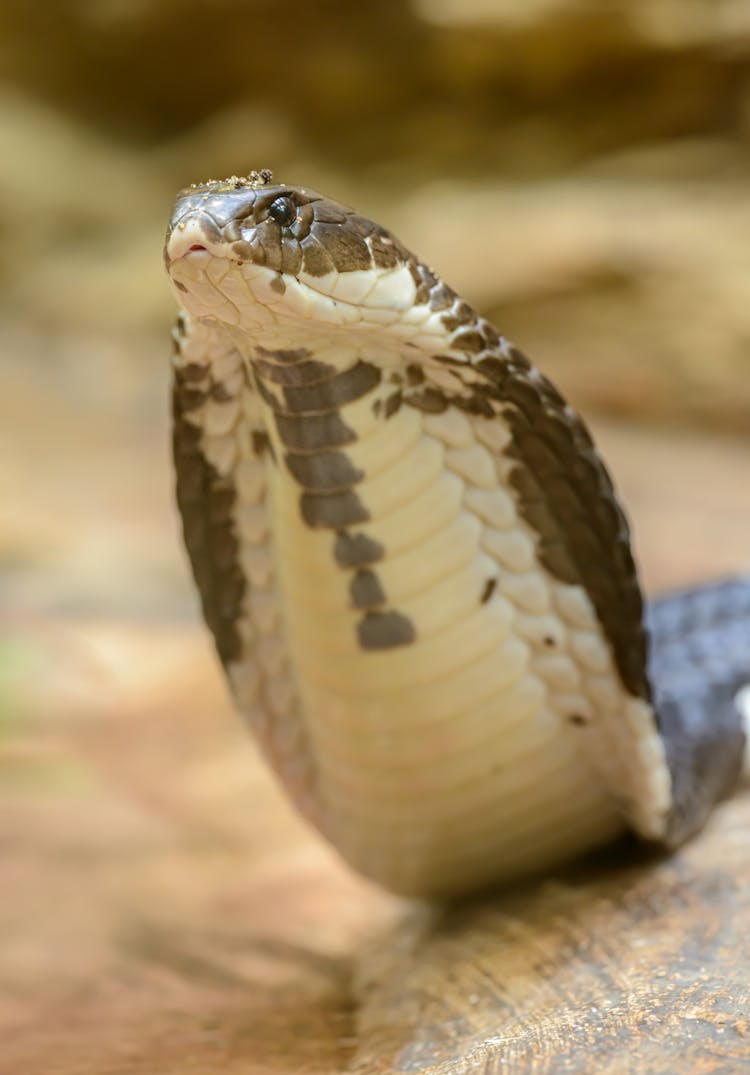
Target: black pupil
[(283, 211)]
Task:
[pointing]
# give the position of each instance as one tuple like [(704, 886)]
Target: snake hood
[(413, 562)]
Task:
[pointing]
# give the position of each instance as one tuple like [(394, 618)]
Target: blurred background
[(577, 169)]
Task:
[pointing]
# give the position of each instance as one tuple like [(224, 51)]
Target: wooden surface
[(617, 966), (164, 912)]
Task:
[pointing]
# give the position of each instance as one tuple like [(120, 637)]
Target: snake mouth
[(193, 233)]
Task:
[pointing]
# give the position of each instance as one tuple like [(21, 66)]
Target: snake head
[(254, 254)]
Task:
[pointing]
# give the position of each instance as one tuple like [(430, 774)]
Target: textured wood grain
[(640, 967)]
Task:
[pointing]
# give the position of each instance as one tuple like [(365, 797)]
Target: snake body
[(413, 561)]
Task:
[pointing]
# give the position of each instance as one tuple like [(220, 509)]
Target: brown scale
[(356, 550), (566, 495), (461, 314), (366, 589), (392, 404), (301, 373), (441, 297), (333, 393), (261, 442), (313, 432), (323, 472), (332, 511), (205, 500), (473, 342), (384, 630)]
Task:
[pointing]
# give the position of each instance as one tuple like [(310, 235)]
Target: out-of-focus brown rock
[(633, 294), (507, 86), (579, 172)]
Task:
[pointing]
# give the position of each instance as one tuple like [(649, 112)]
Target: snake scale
[(414, 565)]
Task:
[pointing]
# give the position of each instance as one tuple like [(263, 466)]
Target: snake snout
[(208, 216), (192, 229)]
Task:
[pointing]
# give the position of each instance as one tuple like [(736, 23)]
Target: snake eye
[(283, 211)]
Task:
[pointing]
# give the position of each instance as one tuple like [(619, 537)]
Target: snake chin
[(211, 283)]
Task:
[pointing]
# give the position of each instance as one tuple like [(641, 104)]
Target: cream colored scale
[(450, 760)]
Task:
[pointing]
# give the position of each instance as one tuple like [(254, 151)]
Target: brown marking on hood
[(356, 550), (205, 500), (385, 630)]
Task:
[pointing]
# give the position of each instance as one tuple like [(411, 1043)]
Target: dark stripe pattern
[(206, 500), (304, 396)]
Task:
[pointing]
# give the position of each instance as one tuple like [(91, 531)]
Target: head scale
[(246, 249)]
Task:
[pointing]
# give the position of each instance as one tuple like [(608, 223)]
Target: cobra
[(414, 565)]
